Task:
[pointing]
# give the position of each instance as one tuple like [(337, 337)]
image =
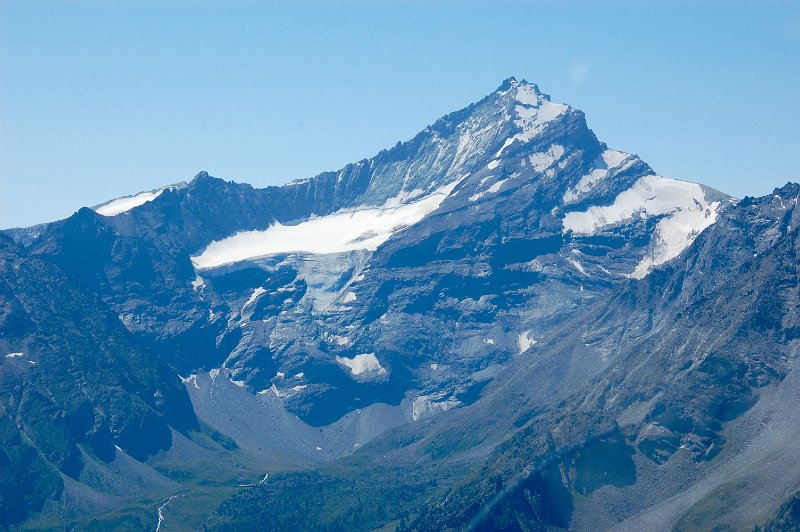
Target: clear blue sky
[(100, 99)]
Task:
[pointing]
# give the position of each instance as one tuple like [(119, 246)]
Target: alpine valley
[(500, 324)]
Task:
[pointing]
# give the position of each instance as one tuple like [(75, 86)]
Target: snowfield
[(364, 363), (686, 213), (118, 206), (364, 228)]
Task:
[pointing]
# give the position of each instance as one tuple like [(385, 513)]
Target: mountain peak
[(203, 178), (507, 84), (788, 191), (521, 87)]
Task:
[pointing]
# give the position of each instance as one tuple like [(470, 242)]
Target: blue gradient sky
[(101, 99)]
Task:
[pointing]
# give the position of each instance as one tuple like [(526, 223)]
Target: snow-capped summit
[(460, 143), (513, 83)]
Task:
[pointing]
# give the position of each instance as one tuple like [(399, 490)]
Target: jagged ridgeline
[(501, 323)]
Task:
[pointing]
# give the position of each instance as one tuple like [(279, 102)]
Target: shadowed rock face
[(550, 333)]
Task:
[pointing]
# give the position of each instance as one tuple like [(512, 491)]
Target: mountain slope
[(669, 403)]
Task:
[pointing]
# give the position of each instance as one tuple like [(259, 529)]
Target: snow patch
[(578, 266), (364, 363), (118, 206), (191, 378), (349, 297), (496, 186), (525, 341), (493, 189), (533, 114), (198, 283), (541, 161), (341, 340), (253, 296), (527, 94), (614, 158)]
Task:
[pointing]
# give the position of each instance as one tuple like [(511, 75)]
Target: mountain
[(501, 323), (490, 225)]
